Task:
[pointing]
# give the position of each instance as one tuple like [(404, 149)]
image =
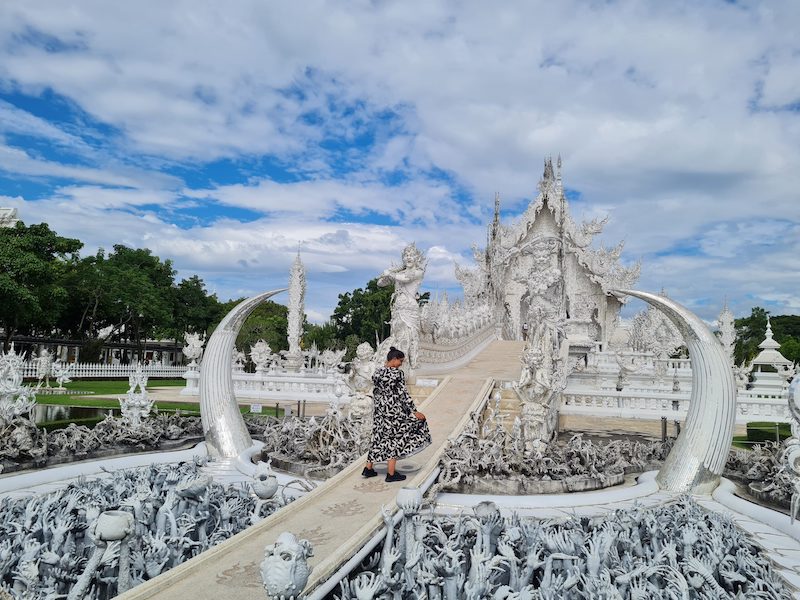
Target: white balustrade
[(103, 371), (650, 404), (280, 386)]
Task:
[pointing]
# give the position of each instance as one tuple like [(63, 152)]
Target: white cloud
[(667, 116)]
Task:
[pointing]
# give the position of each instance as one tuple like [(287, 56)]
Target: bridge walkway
[(343, 513)]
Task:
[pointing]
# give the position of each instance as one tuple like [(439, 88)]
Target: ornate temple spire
[(496, 221), (548, 170), (769, 343), (297, 294), (492, 242), (727, 331), (559, 185), (769, 354)]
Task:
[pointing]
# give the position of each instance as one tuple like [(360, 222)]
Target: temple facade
[(542, 271)]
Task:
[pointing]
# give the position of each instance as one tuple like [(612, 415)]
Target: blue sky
[(227, 137)]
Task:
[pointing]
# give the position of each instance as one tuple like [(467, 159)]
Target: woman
[(398, 429)]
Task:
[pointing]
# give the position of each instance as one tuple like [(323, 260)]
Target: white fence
[(649, 404), (101, 371), (280, 386)]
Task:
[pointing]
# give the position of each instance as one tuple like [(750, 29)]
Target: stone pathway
[(343, 513)]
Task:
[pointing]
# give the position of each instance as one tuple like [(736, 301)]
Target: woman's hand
[(419, 415)]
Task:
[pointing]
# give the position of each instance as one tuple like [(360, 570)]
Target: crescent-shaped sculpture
[(223, 426), (698, 457)]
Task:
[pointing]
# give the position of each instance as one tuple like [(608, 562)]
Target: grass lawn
[(119, 387), (89, 402), (189, 408), (102, 387)]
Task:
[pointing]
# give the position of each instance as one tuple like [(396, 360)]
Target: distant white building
[(542, 268), (8, 217), (769, 365)]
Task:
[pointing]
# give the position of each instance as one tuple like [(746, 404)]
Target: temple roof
[(769, 354)]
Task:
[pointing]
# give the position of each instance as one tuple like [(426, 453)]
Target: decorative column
[(294, 332)]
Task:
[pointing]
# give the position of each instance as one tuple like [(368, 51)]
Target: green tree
[(33, 263), (268, 322), (364, 313), (786, 329), (749, 334), (139, 300), (323, 336), (85, 287), (193, 309), (790, 348)]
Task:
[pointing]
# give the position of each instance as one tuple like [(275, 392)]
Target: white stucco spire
[(297, 294), (769, 342), (769, 354)]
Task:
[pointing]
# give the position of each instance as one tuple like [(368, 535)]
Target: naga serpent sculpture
[(225, 432), (696, 461)]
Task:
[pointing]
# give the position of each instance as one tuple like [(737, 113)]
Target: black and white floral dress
[(396, 432)]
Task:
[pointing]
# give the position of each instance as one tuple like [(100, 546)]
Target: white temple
[(770, 369), (543, 268)]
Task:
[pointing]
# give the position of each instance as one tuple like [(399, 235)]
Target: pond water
[(43, 413)]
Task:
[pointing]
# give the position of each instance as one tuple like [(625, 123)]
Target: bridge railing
[(454, 352)]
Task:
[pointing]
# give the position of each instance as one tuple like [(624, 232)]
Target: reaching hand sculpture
[(405, 322), (97, 538), (571, 559)]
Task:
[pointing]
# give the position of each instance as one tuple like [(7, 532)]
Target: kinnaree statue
[(405, 322)]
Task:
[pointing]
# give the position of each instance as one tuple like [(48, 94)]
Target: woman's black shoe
[(369, 472), (395, 477)]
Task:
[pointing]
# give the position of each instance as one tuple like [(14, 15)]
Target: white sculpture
[(791, 453), (239, 360), (670, 551), (698, 458), (44, 367), (224, 428), (265, 483), (95, 539), (652, 332), (136, 405), (445, 323), (285, 569), (331, 359), (62, 372), (628, 364), (261, 355), (360, 382), (193, 349), (15, 399), (294, 332), (742, 375), (405, 323), (727, 332)]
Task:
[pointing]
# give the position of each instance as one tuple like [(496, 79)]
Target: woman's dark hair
[(394, 353)]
